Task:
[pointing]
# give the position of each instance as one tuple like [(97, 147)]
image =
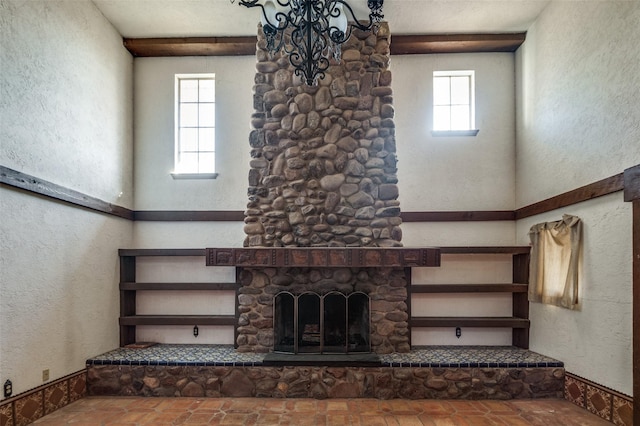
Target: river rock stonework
[(326, 382), (323, 168)]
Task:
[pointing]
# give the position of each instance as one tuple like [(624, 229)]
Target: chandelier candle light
[(318, 28)]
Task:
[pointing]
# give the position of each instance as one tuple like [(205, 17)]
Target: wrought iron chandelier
[(317, 30)]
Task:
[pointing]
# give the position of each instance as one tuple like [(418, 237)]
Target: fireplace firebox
[(331, 323)]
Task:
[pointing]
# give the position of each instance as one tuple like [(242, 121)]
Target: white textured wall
[(65, 116), (154, 130), (455, 173), (578, 95), (66, 97), (578, 121)]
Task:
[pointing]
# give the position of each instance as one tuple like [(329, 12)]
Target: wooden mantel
[(334, 257)]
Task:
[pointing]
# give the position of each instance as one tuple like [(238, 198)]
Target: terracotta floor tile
[(508, 420), (443, 421), (372, 420), (433, 407), (469, 407), (274, 405), (341, 406), (140, 404), (198, 419), (408, 420), (268, 419), (234, 419), (390, 421), (500, 407), (162, 418), (243, 406), (304, 405), (337, 420), (355, 420), (479, 421), (126, 411)]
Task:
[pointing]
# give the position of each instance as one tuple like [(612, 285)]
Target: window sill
[(194, 175), (455, 132)]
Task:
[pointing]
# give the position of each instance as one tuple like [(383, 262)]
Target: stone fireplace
[(323, 310), (323, 175), (322, 275)]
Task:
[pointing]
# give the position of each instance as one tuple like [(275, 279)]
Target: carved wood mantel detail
[(323, 257)]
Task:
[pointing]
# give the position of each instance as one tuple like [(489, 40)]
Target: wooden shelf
[(133, 286), (161, 252), (178, 320), (486, 250), (509, 322), (469, 288)]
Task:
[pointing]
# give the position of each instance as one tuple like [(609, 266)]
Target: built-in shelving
[(129, 287), (518, 322)]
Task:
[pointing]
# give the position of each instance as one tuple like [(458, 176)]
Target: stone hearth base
[(327, 382), (188, 370)]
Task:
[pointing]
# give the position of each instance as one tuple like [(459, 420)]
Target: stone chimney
[(323, 168)]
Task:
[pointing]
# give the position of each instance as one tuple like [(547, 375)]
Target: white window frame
[(179, 172), (451, 130)]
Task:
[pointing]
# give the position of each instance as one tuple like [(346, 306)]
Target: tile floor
[(299, 412)]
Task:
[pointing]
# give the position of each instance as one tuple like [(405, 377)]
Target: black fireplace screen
[(331, 323)]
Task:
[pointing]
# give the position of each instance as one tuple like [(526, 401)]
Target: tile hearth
[(420, 356)]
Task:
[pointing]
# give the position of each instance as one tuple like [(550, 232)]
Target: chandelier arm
[(317, 29), (281, 18), (374, 17)]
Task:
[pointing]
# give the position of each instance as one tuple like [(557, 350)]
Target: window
[(454, 103), (195, 125)]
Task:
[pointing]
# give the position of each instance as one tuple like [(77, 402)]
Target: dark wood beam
[(50, 190), (632, 183), (191, 46), (458, 216), (593, 190), (455, 43), (632, 194), (189, 216), (636, 306), (400, 44)]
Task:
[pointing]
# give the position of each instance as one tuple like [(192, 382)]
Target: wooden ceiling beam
[(455, 43), (400, 45), (191, 46)]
